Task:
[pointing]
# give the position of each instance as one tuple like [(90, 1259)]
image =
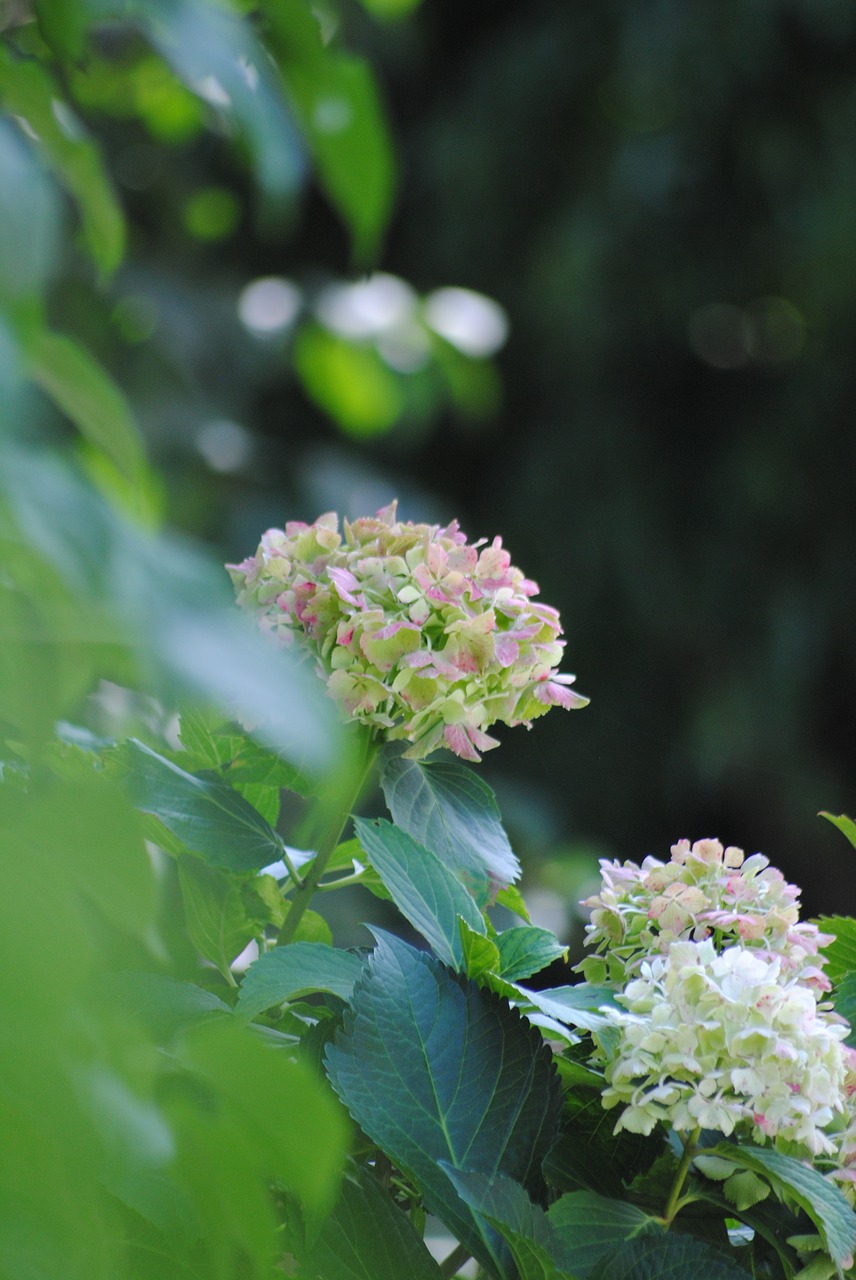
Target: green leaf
[(217, 918), (211, 820), (389, 9), (348, 381), (296, 1128), (667, 1257), (163, 1005), (29, 215), (221, 744), (840, 954), (215, 53), (577, 1005), (844, 1000), (367, 1237), (424, 891), (798, 1183), (526, 950), (512, 899), (434, 1068), (589, 1225), (589, 1156), (480, 954), (342, 116), (524, 1226), (27, 89), (88, 396), (845, 825), (452, 812), (285, 973)]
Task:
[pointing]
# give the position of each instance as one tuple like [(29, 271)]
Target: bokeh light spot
[(476, 325), (269, 305)]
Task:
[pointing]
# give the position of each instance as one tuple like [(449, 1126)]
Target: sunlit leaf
[(348, 381), (841, 952), (845, 825), (526, 950)]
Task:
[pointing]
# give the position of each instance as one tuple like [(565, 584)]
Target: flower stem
[(327, 822), (672, 1205), (451, 1266)]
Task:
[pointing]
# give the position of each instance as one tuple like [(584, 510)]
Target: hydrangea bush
[(686, 1107)]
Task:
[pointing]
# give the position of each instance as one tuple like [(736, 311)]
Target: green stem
[(451, 1266), (331, 811), (672, 1205), (356, 878)]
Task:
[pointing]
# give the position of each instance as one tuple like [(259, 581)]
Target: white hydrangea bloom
[(725, 1041)]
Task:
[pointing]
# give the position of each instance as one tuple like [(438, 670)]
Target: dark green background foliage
[(663, 198)]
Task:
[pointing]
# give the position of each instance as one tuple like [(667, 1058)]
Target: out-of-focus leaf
[(845, 825), (341, 112), (28, 90), (429, 895), (217, 918), (449, 809), (215, 53), (63, 24), (490, 1106), (161, 1004), (390, 8), (365, 1224), (299, 969), (297, 1128), (349, 382), (29, 216), (88, 395), (210, 819)]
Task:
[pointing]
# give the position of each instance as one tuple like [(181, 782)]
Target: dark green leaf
[(88, 395), (667, 1257), (800, 1184), (526, 950), (589, 1156), (845, 825), (425, 891), (841, 954), (28, 90), (589, 1225), (435, 1068), (452, 812), (523, 1226), (368, 1238), (217, 918), (210, 819), (297, 970)]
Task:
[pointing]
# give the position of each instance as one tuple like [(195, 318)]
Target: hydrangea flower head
[(703, 891), (416, 631), (725, 1041)]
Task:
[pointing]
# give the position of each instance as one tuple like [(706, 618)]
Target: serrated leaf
[(744, 1189), (840, 954), (845, 825), (524, 1226), (27, 89), (526, 950), (844, 1001), (86, 393), (210, 819), (588, 1225), (791, 1179), (285, 973), (435, 1068), (216, 915), (451, 811), (367, 1237), (667, 1257), (512, 899), (424, 890), (220, 744)]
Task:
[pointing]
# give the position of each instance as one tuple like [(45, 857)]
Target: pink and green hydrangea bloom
[(726, 1041), (417, 633)]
